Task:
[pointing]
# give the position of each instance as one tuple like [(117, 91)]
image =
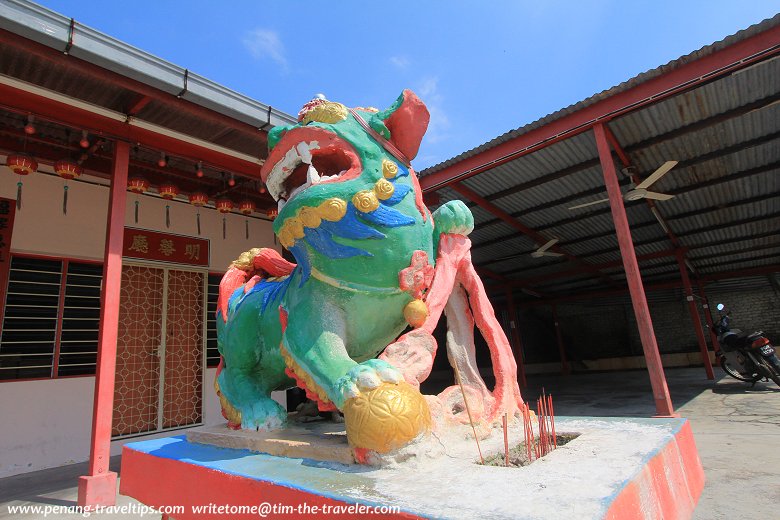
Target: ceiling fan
[(543, 251), (640, 191)]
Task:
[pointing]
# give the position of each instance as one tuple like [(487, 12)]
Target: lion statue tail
[(250, 267)]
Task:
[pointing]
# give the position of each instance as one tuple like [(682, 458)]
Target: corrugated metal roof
[(637, 80), (725, 135), (52, 29)]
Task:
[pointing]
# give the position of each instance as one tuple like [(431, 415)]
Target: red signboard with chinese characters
[(7, 212), (164, 247)]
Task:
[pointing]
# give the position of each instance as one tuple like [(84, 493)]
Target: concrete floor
[(737, 431)]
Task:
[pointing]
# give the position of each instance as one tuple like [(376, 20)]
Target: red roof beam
[(69, 115), (137, 104)]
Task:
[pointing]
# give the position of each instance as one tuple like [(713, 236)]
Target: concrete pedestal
[(616, 468)]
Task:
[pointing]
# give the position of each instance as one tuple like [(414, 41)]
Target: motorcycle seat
[(735, 341)]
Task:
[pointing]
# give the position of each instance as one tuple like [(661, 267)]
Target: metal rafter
[(634, 148), (627, 163), (717, 154), (533, 234), (679, 216), (697, 231)]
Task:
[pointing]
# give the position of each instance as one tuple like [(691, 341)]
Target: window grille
[(212, 354), (31, 320), (80, 320), (52, 315)]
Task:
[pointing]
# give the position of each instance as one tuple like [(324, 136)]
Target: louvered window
[(50, 326), (80, 319), (212, 354), (30, 322)]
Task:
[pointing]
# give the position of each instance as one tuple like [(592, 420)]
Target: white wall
[(41, 228), (47, 423)]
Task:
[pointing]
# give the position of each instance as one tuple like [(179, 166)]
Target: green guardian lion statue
[(371, 261)]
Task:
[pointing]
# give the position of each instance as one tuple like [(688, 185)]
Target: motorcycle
[(746, 357)]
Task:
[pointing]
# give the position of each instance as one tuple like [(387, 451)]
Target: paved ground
[(736, 427), (737, 431)]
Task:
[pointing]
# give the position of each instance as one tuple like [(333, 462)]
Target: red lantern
[(21, 165), (29, 128), (68, 170), (138, 186), (84, 141), (272, 213), (246, 207), (198, 200), (224, 206), (168, 191)]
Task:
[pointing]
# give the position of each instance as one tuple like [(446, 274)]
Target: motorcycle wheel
[(726, 366), (771, 371)]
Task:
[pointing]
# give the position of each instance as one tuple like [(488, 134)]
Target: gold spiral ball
[(333, 209), (389, 168), (365, 201), (384, 189), (387, 417)]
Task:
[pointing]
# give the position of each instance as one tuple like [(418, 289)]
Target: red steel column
[(565, 368), (516, 341), (99, 487), (708, 317), (663, 402), (705, 355)]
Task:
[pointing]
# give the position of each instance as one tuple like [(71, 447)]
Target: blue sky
[(483, 68)]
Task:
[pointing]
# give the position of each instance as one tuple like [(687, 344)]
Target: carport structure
[(714, 111)]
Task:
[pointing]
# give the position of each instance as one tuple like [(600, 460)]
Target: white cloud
[(265, 44), (428, 91), (400, 62)]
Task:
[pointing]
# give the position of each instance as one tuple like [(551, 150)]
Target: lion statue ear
[(407, 119)]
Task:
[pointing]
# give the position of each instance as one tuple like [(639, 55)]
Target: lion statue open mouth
[(371, 261)]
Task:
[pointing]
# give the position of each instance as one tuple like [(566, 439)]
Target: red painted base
[(97, 490), (159, 482), (668, 486), (199, 479)]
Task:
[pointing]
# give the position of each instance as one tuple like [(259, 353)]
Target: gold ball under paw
[(387, 417)]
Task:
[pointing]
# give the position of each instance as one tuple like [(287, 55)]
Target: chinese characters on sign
[(151, 245), (7, 212)]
